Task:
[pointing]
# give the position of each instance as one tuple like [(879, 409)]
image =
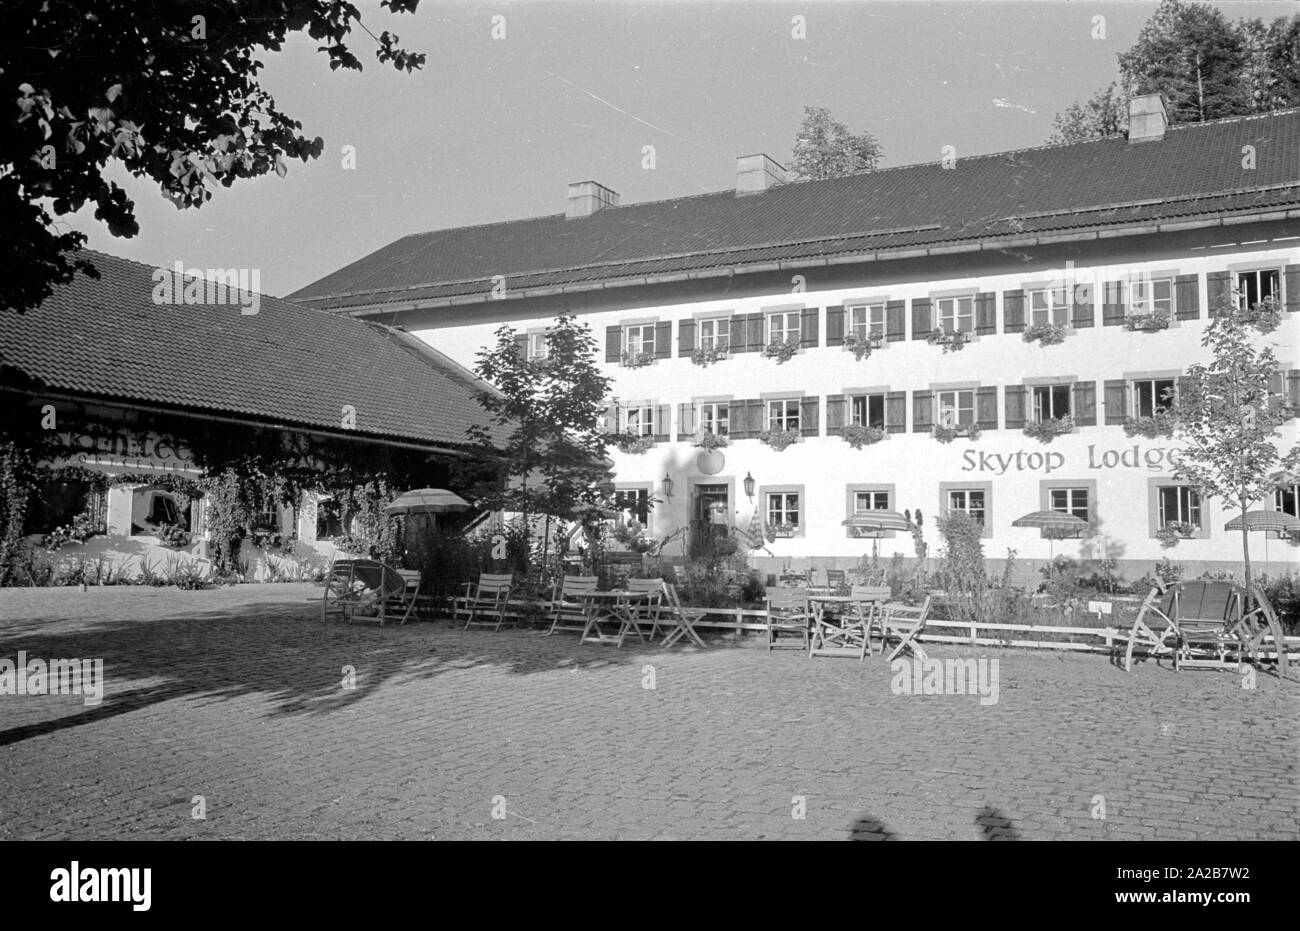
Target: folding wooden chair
[(850, 633), (1152, 629), (1260, 621), (788, 613), (565, 603), (355, 584), (647, 611), (683, 619), (905, 623), (410, 592), (490, 593), (836, 579)]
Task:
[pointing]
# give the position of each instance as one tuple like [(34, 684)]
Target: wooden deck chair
[(650, 610), (836, 579), (355, 584), (405, 601), (681, 620), (1152, 630), (491, 593), (1207, 616), (905, 623), (1260, 620), (565, 603), (788, 613)]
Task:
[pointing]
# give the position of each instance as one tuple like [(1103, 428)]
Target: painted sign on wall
[(146, 452), (1151, 458)]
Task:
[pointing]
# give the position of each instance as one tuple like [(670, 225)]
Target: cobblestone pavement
[(236, 695)]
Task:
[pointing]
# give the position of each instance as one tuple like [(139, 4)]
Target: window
[(956, 314), (151, 507), (870, 501), (639, 338), (868, 410), (1048, 305), (971, 500), (635, 504), (1257, 285), (783, 415), (783, 509), (783, 327), (1152, 296), (1287, 500), (639, 421), (715, 418), (715, 334), (1051, 402), (1072, 501), (867, 320), (956, 408), (1178, 504), (539, 346), (1152, 396), (58, 504)]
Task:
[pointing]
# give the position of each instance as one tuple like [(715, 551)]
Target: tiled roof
[(286, 364), (1195, 171)]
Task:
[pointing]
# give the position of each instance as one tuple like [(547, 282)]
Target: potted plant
[(861, 345), (632, 443), (859, 435), (950, 340), (946, 434), (1147, 322), (173, 536), (711, 441), (635, 360), (1172, 532), (781, 530), (1161, 423), (1046, 334), (1047, 430), (779, 439), (707, 356), (782, 351)]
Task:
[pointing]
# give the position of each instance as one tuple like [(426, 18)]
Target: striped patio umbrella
[(1264, 520), (876, 522), (1054, 521), (427, 501)]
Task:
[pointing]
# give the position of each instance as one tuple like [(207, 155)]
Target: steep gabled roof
[(286, 364), (1195, 171)]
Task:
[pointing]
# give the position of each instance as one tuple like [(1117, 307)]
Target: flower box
[(1047, 430), (782, 351), (780, 531), (636, 360), (1172, 532), (779, 439), (632, 444), (862, 346), (711, 441), (1046, 334), (705, 357), (946, 434), (1161, 424), (859, 435), (1147, 322), (950, 340)]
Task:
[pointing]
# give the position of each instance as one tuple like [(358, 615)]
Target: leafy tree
[(551, 410), (171, 91), (1104, 115), (824, 148), (1229, 420), (1282, 86)]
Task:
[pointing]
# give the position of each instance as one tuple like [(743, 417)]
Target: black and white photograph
[(444, 420)]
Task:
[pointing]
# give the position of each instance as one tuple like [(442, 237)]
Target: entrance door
[(711, 511)]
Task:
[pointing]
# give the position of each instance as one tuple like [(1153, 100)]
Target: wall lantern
[(749, 486), (667, 485)]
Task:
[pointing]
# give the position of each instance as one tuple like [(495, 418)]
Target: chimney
[(1147, 119), (757, 173), (586, 197)]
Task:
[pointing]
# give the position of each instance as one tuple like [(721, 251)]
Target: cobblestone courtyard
[(236, 695)]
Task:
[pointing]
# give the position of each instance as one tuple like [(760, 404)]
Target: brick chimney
[(757, 173), (1147, 119), (586, 197)]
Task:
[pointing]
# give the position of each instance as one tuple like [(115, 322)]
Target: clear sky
[(494, 128)]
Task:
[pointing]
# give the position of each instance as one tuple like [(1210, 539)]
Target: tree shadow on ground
[(285, 655)]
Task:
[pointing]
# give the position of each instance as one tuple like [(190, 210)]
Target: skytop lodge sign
[(1152, 458)]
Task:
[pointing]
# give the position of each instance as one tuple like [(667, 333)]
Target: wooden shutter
[(754, 336), (986, 407), (834, 330), (664, 339), (741, 416), (896, 412), (1218, 289), (663, 422), (613, 343), (808, 419), (1116, 400), (1085, 403), (1083, 313), (837, 410), (1181, 388), (611, 419), (521, 346), (808, 335), (986, 315), (922, 321), (686, 421), (1112, 304), (736, 343), (1293, 387), (1013, 311), (922, 411), (1014, 402), (1187, 297), (896, 321), (685, 337), (1291, 288)]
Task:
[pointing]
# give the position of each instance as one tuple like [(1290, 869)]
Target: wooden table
[(616, 605), (848, 637)]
